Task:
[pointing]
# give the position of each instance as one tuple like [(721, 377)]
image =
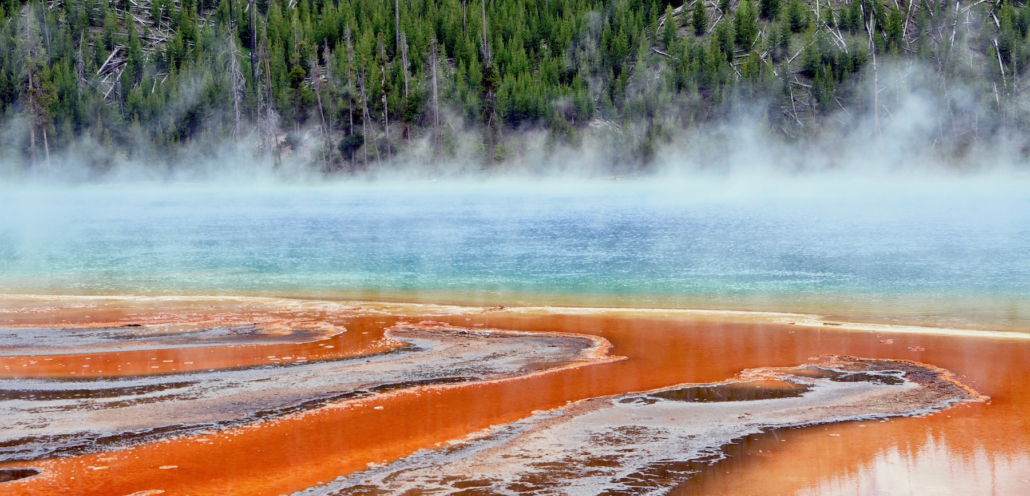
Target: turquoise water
[(956, 252)]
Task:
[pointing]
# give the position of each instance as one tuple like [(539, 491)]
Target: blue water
[(957, 251)]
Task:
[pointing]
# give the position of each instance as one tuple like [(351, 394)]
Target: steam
[(921, 124)]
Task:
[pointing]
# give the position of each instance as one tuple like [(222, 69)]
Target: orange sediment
[(326, 333), (179, 360), (303, 450)]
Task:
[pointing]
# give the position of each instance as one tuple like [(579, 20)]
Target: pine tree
[(796, 16), (671, 27), (783, 43), (508, 62), (744, 25), (133, 71), (769, 9), (700, 19)]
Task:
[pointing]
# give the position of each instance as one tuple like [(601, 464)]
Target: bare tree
[(386, 118), (871, 28), (316, 83), (404, 61), (237, 83), (436, 99), (328, 57), (486, 44), (46, 31), (253, 40), (269, 117), (386, 102), (349, 43), (30, 47), (367, 117), (489, 81)]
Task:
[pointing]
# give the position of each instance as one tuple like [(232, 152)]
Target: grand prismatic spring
[(517, 338)]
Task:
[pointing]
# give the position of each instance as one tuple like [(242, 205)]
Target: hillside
[(351, 86)]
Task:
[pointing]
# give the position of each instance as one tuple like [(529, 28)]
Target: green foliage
[(893, 29), (769, 9), (797, 18), (782, 46), (554, 66), (350, 144), (699, 21), (669, 34), (851, 19), (744, 26), (724, 40)]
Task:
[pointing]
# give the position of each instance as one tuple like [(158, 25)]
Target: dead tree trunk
[(486, 44), (316, 82), (876, 76), (436, 101), (253, 41), (46, 147), (404, 62), (367, 116), (386, 119), (329, 78), (273, 118), (238, 83)]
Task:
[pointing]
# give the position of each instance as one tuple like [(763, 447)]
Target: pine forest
[(340, 87)]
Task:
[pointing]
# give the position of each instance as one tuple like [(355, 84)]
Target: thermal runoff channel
[(516, 338)]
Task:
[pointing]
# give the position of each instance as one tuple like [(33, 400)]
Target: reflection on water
[(740, 391), (302, 450), (10, 474), (601, 446)]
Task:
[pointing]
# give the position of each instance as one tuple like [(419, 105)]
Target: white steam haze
[(914, 132)]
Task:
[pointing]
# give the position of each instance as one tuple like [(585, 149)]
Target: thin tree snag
[(436, 101), (316, 82), (46, 144), (486, 42), (113, 84), (327, 53), (253, 40), (386, 119), (49, 56), (954, 27), (908, 16), (1001, 66), (968, 8), (273, 123), (876, 76), (659, 52), (109, 57), (404, 61), (238, 83), (368, 118)]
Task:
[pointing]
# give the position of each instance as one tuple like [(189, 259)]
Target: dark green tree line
[(355, 83)]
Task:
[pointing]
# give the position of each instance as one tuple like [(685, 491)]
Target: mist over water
[(944, 250)]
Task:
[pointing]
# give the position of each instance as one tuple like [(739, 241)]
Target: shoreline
[(387, 307)]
